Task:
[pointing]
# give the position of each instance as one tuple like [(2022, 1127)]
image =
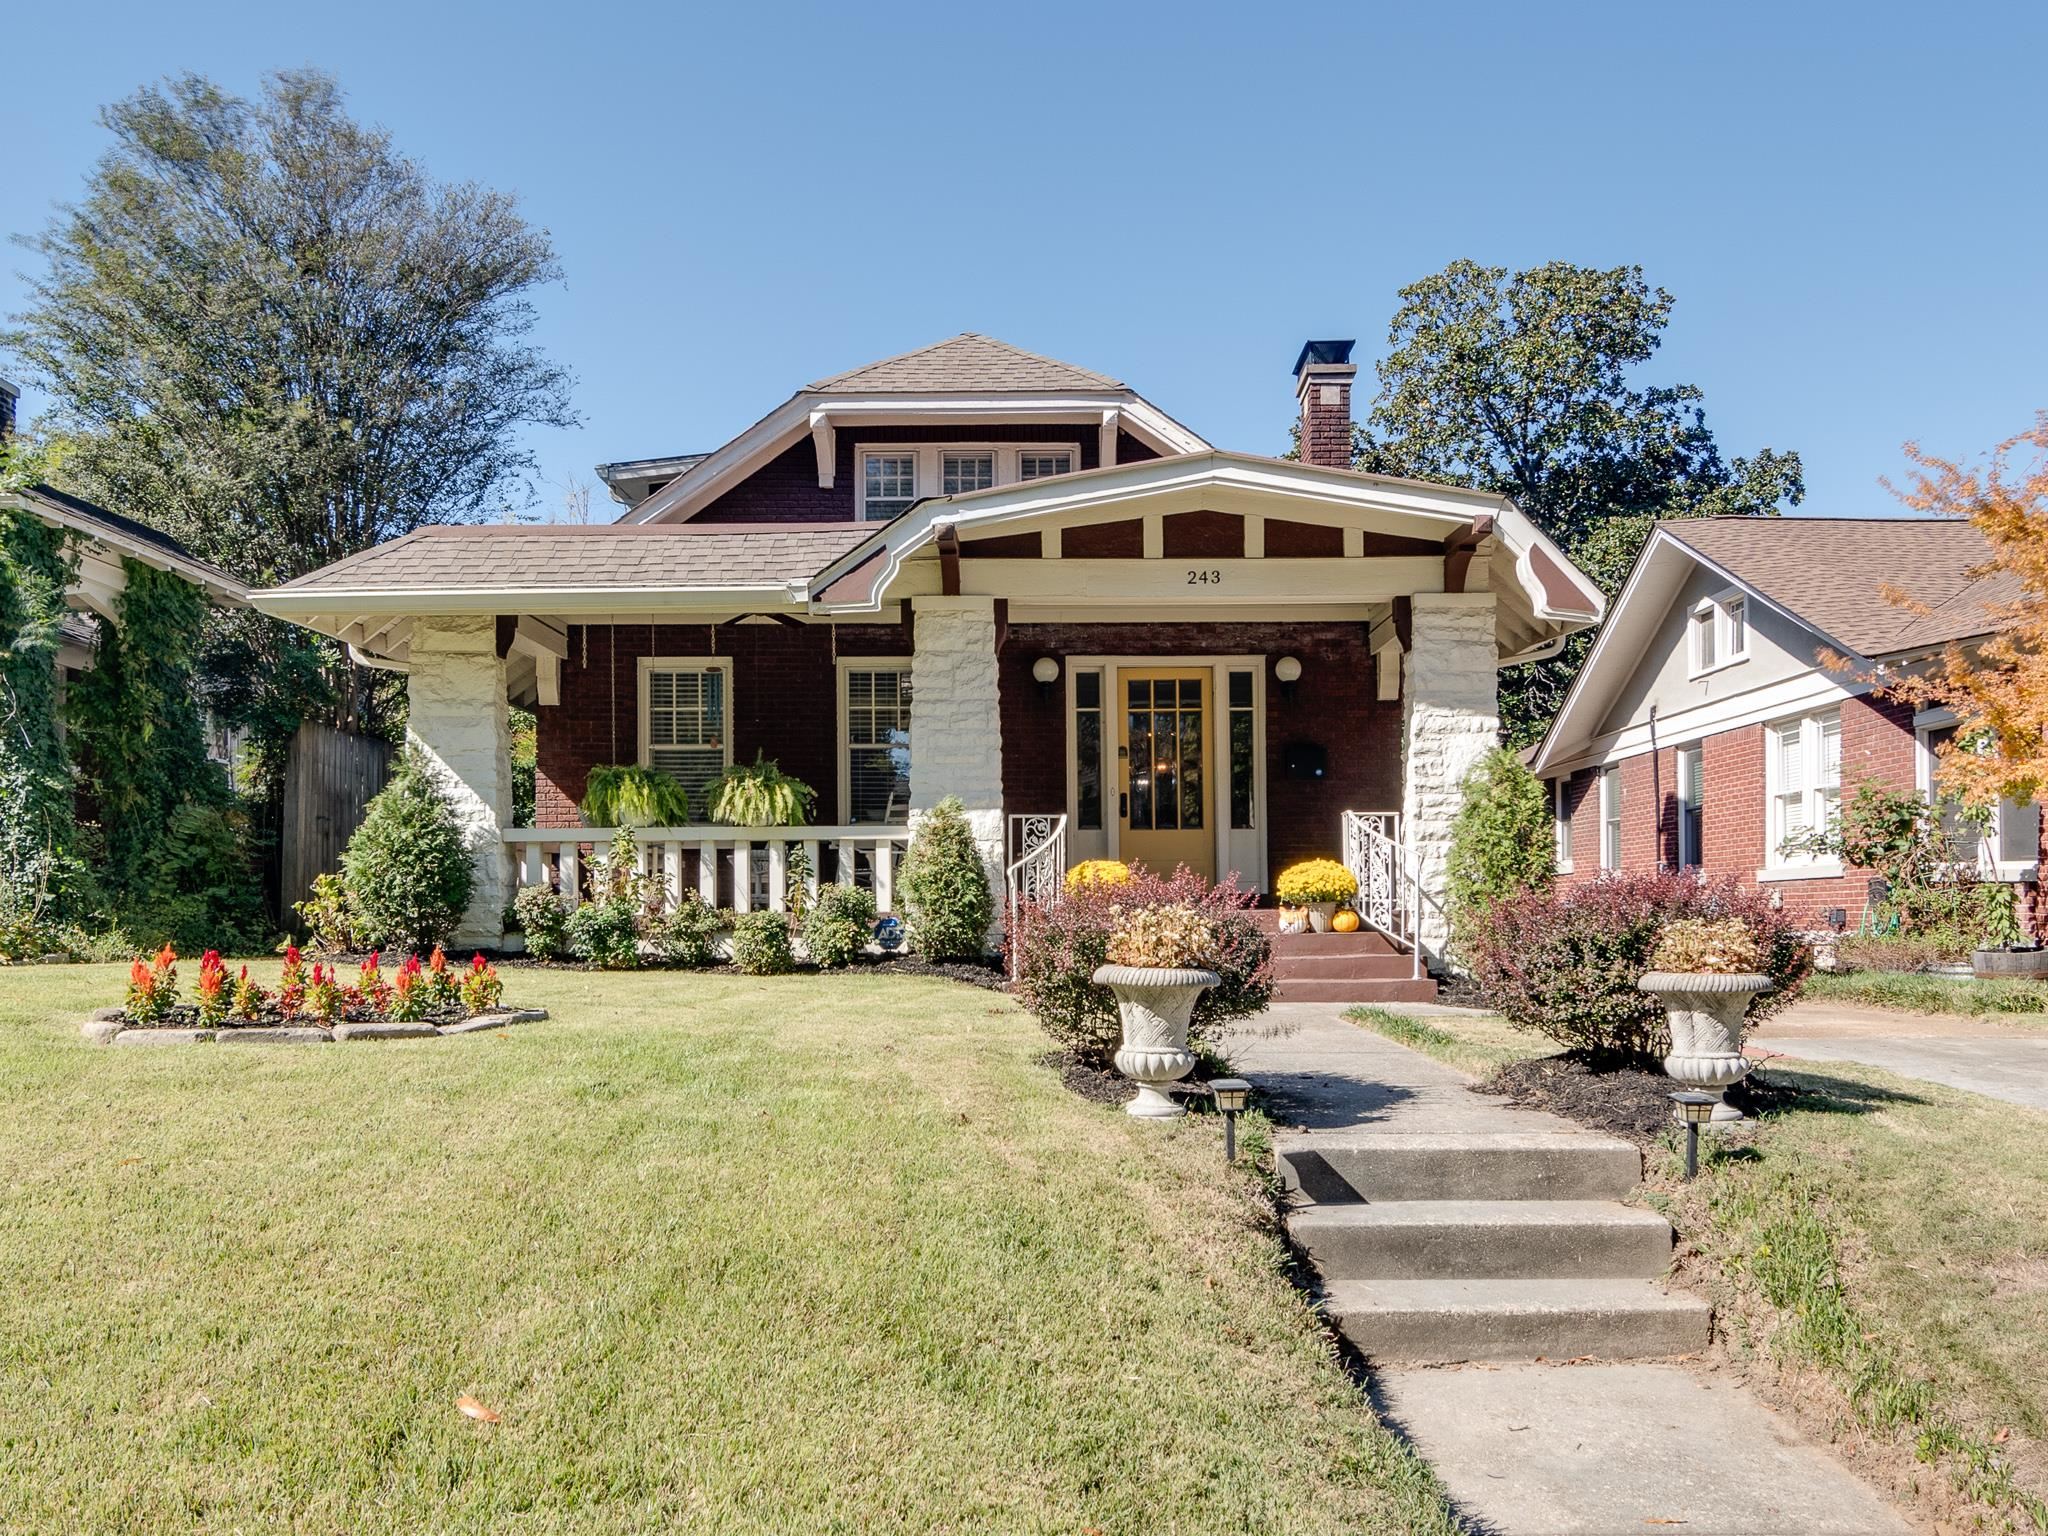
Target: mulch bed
[(1091, 1083), (186, 1016), (1628, 1101)]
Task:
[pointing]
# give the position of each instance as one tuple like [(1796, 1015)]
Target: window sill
[(1822, 871), (1564, 866)]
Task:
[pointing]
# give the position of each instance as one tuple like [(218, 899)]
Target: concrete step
[(1483, 1240), (1475, 1165), (1363, 942), (1343, 967), (1433, 1321), (1369, 991)]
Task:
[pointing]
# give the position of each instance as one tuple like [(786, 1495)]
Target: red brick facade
[(1877, 743)]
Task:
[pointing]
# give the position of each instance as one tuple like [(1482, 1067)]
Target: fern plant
[(627, 795), (760, 795)]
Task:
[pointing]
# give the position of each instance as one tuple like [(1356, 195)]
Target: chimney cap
[(1323, 352)]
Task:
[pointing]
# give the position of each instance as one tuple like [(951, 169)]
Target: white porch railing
[(1035, 867), (1391, 897), (690, 858)]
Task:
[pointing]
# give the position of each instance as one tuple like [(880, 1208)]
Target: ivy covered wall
[(38, 838)]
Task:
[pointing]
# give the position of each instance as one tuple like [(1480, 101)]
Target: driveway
[(1979, 1055)]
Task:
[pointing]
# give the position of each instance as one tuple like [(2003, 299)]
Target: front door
[(1163, 757)]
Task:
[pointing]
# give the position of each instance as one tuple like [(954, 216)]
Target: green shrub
[(688, 936), (606, 932), (837, 927), (408, 869), (330, 925), (200, 893), (1887, 952), (1503, 839), (760, 944), (626, 795), (946, 898), (543, 919)]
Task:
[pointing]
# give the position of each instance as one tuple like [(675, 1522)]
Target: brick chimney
[(1322, 382)]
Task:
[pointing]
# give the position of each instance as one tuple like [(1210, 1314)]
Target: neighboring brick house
[(1707, 731), (970, 570)]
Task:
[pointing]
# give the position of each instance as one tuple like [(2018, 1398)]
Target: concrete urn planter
[(1705, 1010), (1155, 1006)]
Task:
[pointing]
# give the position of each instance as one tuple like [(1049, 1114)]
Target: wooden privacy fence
[(330, 776)]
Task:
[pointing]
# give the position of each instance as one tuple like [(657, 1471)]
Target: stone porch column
[(1450, 719), (456, 717), (956, 725)]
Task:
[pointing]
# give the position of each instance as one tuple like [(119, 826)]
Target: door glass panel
[(1165, 730), (1166, 754), (1241, 742), (1140, 733), (1191, 757)]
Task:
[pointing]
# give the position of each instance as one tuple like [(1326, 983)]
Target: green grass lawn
[(2013, 1002), (1889, 1237), (781, 1255)]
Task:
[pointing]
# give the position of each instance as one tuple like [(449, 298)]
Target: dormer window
[(1719, 633), (893, 476), (888, 485)]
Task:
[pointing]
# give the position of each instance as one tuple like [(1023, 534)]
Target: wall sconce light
[(1047, 671), (1288, 670)]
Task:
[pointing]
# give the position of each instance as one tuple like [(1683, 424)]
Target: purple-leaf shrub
[(1565, 962), (1057, 946)]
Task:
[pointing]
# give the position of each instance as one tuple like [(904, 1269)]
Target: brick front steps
[(1361, 967)]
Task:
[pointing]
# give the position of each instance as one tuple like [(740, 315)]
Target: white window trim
[(1561, 821), (1698, 856), (652, 664), (1794, 866), (1925, 723), (931, 465), (1724, 655), (844, 750), (1611, 805)]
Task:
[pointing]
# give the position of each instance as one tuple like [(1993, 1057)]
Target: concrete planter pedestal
[(1155, 1005), (1705, 1011)]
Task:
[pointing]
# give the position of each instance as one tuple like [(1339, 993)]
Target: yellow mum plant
[(1098, 872), (1315, 880)]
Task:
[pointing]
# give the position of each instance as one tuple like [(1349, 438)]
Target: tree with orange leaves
[(1998, 687)]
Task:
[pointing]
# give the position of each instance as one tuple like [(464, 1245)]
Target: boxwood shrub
[(837, 926), (760, 944)]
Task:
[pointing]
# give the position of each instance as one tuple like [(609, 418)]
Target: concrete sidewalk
[(1543, 1448), (1978, 1055)]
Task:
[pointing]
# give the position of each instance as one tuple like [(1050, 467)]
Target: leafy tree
[(1501, 839), (1998, 688), (271, 334), (1523, 383)]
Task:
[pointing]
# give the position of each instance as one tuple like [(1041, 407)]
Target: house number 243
[(1205, 578)]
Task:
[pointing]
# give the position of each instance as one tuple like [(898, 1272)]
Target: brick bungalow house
[(970, 570), (1705, 732)]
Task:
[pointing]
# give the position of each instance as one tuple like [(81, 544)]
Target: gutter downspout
[(376, 663), (1656, 792)]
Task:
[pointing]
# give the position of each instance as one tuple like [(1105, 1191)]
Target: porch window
[(1692, 790), (1088, 751), (888, 485), (1243, 744), (1803, 764), (875, 711), (1037, 466), (968, 472), (685, 722), (1610, 818)]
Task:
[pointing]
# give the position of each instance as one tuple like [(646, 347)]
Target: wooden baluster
[(572, 880), (882, 859), (743, 875), (778, 874), (811, 859), (707, 873)]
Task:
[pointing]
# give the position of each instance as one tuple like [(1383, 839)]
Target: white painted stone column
[(956, 724), (1450, 719), (456, 717)]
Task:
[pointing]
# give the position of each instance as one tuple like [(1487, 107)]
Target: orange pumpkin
[(1345, 921)]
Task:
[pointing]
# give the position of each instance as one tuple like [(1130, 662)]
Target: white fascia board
[(305, 607), (1522, 538), (1278, 486), (216, 584), (1812, 689)]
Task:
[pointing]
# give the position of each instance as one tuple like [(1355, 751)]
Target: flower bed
[(308, 1004)]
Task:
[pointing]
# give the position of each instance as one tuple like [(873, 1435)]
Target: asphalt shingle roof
[(1829, 571), (966, 362), (587, 558)]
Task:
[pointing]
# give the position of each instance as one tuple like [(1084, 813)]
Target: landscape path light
[(1696, 1110), (1231, 1095)]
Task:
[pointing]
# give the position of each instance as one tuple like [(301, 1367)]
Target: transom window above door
[(894, 476)]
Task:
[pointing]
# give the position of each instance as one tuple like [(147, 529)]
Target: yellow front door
[(1163, 752)]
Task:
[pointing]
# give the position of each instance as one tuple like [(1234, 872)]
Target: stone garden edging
[(108, 1028)]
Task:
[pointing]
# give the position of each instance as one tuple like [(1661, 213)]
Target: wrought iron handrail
[(1036, 870), (1391, 896)]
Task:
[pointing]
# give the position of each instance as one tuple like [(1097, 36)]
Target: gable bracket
[(1461, 547)]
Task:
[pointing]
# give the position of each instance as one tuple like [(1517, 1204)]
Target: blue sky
[(748, 197)]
